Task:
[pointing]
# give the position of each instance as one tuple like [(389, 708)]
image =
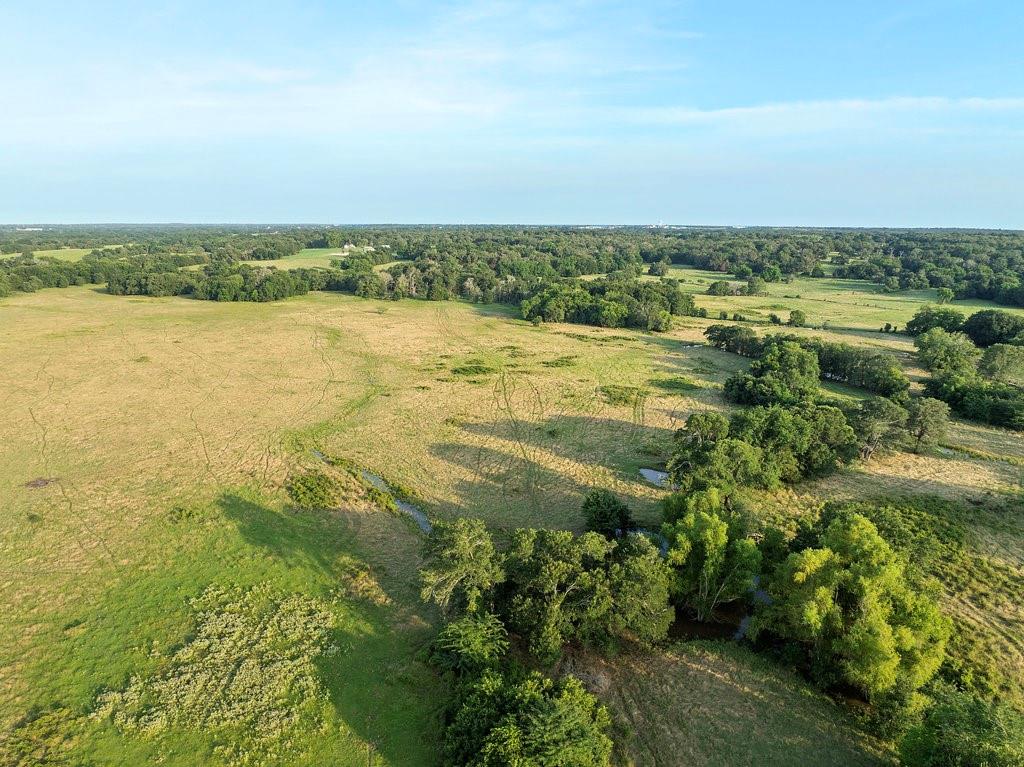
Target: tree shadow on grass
[(383, 691), (511, 489), (295, 538), (378, 686), (616, 444)]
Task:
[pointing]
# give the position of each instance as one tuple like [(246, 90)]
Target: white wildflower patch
[(249, 670)]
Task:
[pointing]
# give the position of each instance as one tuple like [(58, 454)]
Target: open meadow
[(839, 304), (143, 454)]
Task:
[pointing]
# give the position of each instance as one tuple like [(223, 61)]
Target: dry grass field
[(143, 450)]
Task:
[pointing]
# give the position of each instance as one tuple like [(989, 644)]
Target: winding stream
[(421, 519)]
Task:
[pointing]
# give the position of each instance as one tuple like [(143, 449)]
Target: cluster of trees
[(963, 264), (225, 282), (837, 600), (876, 371), (976, 363), (549, 588), (842, 604), (786, 433), (984, 328), (983, 386), (610, 303), (756, 285), (969, 264), (854, 614), (759, 447), (27, 273)]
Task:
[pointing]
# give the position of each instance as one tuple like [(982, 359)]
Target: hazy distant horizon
[(31, 225)]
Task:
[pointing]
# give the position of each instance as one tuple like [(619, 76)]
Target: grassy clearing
[(307, 258), (310, 258), (703, 703), (842, 304), (147, 443), (64, 254)]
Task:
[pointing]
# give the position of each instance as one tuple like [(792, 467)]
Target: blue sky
[(788, 113)]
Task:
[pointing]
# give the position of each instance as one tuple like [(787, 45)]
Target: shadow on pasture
[(385, 694), (377, 683), (510, 487), (620, 445), (296, 538)]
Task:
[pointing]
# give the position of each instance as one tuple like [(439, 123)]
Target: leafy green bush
[(314, 490), (470, 644), (605, 513), (851, 604), (529, 721), (962, 730)]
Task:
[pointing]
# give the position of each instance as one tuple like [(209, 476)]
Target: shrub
[(314, 490), (508, 721), (250, 667), (470, 644), (962, 730), (606, 514)]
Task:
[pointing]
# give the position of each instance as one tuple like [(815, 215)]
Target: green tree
[(927, 421), (785, 374), (557, 589), (1004, 363), (562, 588), (928, 317), (879, 423), (532, 721), (719, 288), (993, 326), (962, 730), (796, 442), (711, 500), (470, 644), (462, 566), (604, 513), (939, 351), (851, 604), (639, 580), (944, 295), (711, 564), (756, 286), (659, 268), (797, 318)]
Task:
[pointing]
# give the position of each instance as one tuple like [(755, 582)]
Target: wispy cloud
[(803, 117)]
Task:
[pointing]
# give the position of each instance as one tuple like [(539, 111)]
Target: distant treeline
[(876, 371), (505, 263)]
